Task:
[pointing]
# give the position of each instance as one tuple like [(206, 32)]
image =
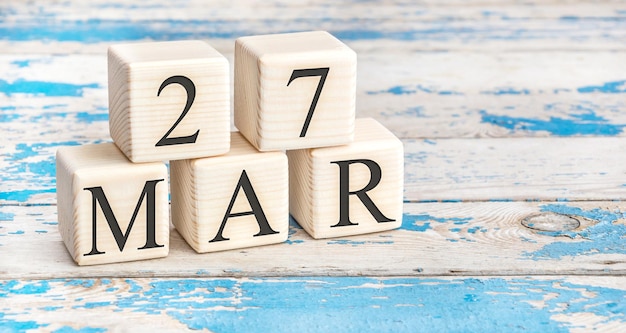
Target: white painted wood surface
[(552, 169), (512, 120), (436, 239)]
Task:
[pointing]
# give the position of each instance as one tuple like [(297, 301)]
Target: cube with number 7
[(295, 90), (169, 100)]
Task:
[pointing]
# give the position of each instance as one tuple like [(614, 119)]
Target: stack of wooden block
[(299, 151)]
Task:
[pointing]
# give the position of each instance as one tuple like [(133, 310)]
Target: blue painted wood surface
[(349, 304), (438, 76)]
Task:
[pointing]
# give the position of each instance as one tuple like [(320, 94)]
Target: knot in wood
[(550, 222)]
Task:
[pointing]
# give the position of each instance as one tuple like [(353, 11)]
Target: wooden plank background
[(512, 116)]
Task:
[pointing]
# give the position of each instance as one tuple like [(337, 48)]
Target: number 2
[(322, 73), (190, 88)]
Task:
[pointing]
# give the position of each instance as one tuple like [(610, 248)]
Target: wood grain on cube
[(294, 90), (350, 189), (168, 100), (236, 200), (97, 185)]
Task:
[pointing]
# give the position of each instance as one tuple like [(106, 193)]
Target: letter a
[(257, 211), (345, 193)]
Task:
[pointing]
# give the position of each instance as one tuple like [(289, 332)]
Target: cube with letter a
[(168, 100), (110, 209), (236, 200), (294, 90), (350, 189)]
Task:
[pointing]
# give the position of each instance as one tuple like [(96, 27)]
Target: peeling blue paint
[(14, 287), (21, 165), (507, 91), (87, 117), (96, 30), (474, 230), (606, 236), (414, 111), (23, 195), (501, 200), (86, 283), (48, 27), (410, 90), (421, 222), (560, 90), (356, 243), (294, 227), (10, 325), (51, 308), (397, 90), (327, 303), (374, 34), (21, 63), (54, 106), (586, 124), (576, 19), (134, 287), (92, 305), (30, 150), (43, 88), (67, 329), (528, 240), (353, 304), (8, 117), (421, 228), (46, 168), (4, 216), (614, 87)]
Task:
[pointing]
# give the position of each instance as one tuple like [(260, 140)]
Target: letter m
[(98, 196)]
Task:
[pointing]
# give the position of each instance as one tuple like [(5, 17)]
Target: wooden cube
[(168, 100), (109, 209), (231, 201), (294, 90), (351, 189)]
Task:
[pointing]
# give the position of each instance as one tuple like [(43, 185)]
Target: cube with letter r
[(351, 189), (109, 209)]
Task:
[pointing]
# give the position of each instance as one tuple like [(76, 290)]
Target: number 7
[(322, 73)]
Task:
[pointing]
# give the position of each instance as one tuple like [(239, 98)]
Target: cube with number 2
[(294, 90), (168, 100)]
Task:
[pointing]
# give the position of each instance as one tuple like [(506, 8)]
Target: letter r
[(345, 193)]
